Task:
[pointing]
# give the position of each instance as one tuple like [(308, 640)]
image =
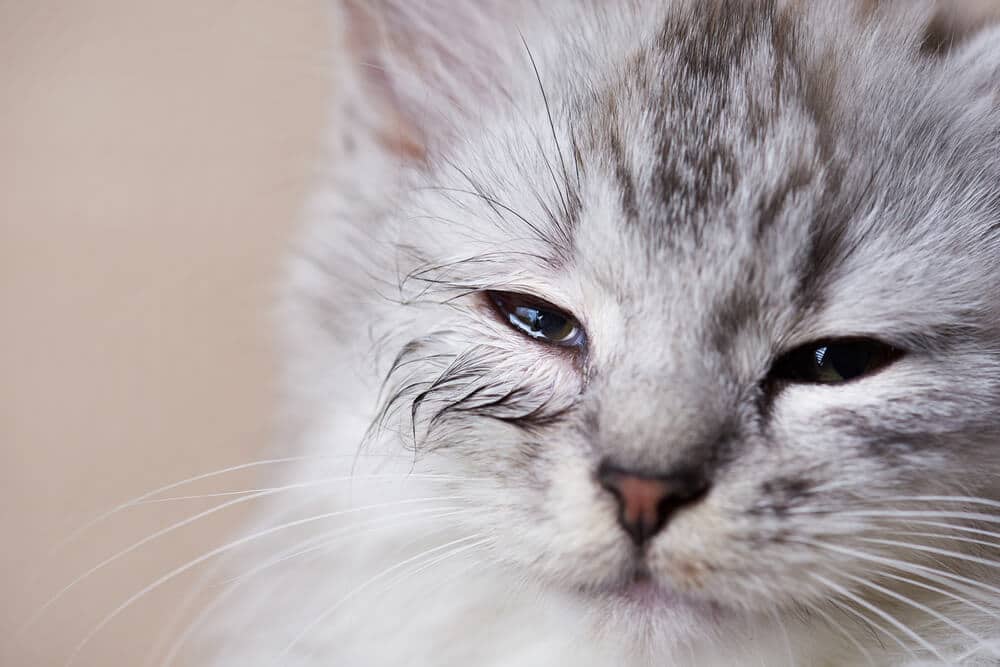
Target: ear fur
[(956, 21), (423, 67), (978, 63)]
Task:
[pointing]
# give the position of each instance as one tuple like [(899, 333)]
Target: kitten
[(643, 333)]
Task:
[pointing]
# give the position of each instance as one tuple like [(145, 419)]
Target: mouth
[(644, 594), (641, 590)]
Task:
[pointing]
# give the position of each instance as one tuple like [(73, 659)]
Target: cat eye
[(834, 361), (538, 319)]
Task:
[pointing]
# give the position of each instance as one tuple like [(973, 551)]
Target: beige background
[(154, 157)]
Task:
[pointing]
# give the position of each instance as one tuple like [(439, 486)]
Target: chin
[(653, 617)]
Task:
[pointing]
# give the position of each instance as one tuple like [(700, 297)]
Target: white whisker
[(324, 540), (940, 591), (968, 500), (933, 550), (873, 626), (165, 531), (886, 616), (179, 642), (173, 485), (843, 631), (920, 514), (329, 610), (943, 536), (913, 603), (960, 529), (178, 614), (934, 574), (227, 547), (385, 477)]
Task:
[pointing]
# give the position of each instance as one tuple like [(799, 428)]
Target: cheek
[(558, 523), (869, 439), (579, 510), (820, 434)]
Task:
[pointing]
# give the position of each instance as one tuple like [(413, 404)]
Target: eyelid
[(784, 370), (503, 303)]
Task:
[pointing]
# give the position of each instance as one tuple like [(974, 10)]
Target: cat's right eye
[(834, 361), (538, 319)]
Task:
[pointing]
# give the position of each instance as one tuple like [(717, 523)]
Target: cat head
[(695, 294)]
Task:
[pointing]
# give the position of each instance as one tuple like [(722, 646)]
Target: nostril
[(645, 501)]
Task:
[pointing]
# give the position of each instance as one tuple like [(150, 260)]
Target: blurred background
[(154, 159)]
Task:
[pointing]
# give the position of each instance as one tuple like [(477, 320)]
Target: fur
[(705, 185)]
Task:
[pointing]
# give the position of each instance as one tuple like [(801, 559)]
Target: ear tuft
[(978, 63), (956, 22), (425, 66)]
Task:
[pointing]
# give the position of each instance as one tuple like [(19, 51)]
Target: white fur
[(394, 244)]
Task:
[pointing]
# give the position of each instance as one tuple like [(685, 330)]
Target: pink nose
[(646, 502)]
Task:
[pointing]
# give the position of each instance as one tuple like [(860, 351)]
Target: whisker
[(934, 574), (944, 536), (324, 540), (173, 485), (199, 496), (203, 581), (961, 529), (388, 477), (227, 547), (832, 622), (939, 591), (179, 613), (873, 625), (181, 640), (968, 500), (916, 605), (295, 551), (889, 618), (933, 550), (993, 647), (919, 514), (160, 533), (422, 568), (329, 610)]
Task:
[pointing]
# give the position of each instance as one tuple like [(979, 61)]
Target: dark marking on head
[(771, 204), (738, 309), (623, 176), (731, 31)]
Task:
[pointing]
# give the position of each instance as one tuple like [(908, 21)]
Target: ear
[(954, 22), (977, 63), (423, 68)]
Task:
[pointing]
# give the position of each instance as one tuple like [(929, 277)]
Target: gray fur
[(705, 185)]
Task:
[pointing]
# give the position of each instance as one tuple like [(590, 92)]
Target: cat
[(641, 332)]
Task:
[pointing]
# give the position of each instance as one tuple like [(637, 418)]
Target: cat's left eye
[(834, 361), (538, 319)]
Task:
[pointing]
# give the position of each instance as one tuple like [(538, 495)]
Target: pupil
[(848, 361), (551, 325), (546, 324)]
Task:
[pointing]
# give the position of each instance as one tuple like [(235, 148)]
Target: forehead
[(735, 172), (708, 165), (722, 169)]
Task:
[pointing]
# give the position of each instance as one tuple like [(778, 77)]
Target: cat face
[(709, 312)]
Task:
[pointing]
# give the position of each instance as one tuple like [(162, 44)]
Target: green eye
[(831, 362), (537, 319)]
